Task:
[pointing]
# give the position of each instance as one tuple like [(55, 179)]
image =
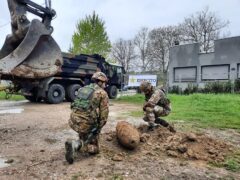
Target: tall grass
[(222, 110), (207, 110)]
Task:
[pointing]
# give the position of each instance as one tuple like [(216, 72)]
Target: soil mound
[(190, 146), (187, 145)]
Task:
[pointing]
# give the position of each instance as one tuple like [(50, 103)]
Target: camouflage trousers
[(82, 123), (152, 113), (93, 146)]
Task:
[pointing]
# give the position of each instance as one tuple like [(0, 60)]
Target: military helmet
[(145, 86), (100, 76)]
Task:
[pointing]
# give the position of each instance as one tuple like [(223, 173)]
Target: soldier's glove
[(149, 104), (95, 131)]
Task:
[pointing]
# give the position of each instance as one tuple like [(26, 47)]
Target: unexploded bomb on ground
[(127, 135)]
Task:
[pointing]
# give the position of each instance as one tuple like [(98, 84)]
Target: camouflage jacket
[(98, 109), (158, 97)]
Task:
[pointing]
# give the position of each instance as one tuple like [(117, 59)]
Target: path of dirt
[(33, 143)]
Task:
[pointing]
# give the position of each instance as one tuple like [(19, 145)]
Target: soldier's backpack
[(164, 101), (83, 100)]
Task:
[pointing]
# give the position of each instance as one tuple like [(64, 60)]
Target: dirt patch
[(188, 146), (34, 140)]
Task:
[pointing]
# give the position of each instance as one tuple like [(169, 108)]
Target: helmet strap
[(101, 84)]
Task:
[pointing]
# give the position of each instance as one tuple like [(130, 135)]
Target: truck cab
[(115, 75)]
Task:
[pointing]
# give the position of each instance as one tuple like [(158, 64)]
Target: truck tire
[(72, 92), (112, 92), (55, 94)]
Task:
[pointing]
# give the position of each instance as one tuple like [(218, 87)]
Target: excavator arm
[(46, 13), (30, 51)]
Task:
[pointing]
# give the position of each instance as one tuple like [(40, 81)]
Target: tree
[(90, 37), (203, 27), (123, 53), (141, 42), (161, 39)]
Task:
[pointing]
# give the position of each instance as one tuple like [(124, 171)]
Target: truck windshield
[(119, 70)]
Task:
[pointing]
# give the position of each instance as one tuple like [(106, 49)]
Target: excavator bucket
[(37, 55)]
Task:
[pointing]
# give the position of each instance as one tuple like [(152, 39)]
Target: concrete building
[(188, 65)]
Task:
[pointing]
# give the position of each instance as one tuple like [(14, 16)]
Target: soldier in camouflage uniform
[(156, 105), (89, 114)]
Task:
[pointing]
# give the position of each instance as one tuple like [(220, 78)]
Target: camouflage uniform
[(82, 121), (156, 105), (89, 112)]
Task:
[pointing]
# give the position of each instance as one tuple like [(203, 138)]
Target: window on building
[(185, 74), (215, 72)]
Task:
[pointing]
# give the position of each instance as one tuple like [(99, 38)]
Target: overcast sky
[(123, 18)]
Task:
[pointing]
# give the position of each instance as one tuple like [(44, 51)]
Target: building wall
[(223, 63)]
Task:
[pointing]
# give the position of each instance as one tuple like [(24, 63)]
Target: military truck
[(33, 61), (76, 72)]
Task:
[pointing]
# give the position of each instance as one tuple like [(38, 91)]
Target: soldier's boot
[(151, 126), (165, 124), (171, 128), (93, 147), (161, 122), (71, 147)]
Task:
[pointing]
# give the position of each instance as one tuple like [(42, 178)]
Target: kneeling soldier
[(156, 105), (89, 114)]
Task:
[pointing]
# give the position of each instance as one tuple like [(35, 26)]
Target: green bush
[(237, 85), (191, 88), (228, 86), (210, 87), (218, 87), (175, 90)]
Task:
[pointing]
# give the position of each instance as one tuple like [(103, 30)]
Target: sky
[(124, 18)]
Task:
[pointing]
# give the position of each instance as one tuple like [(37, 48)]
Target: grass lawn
[(13, 97), (206, 110)]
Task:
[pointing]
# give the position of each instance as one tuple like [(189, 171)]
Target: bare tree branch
[(123, 52), (141, 42), (203, 27), (161, 39)]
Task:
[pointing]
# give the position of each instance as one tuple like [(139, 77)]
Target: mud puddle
[(11, 111), (12, 107), (13, 103)]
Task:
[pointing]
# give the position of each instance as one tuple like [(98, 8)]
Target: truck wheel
[(55, 94), (72, 92), (112, 92)]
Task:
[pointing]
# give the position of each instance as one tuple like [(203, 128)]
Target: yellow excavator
[(30, 52)]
